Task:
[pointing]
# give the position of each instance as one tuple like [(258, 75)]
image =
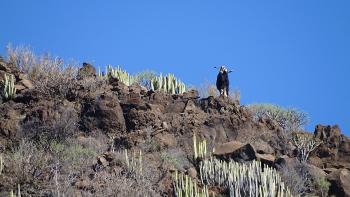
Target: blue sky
[(292, 53)]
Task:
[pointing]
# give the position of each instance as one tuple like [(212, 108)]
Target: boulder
[(86, 71), (235, 150), (267, 159), (340, 182), (104, 113)]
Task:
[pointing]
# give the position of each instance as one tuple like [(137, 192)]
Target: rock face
[(335, 148), (236, 151), (103, 113), (340, 182)]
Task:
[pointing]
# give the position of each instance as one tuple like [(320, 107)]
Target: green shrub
[(290, 119)]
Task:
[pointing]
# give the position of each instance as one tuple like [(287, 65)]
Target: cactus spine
[(9, 90), (168, 84)]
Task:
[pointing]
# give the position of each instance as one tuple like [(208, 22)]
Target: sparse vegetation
[(50, 75), (297, 178), (322, 186), (289, 119)]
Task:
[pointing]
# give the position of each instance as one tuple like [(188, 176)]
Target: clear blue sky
[(292, 52)]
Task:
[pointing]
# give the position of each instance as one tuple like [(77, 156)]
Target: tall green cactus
[(121, 75), (8, 89), (168, 84)]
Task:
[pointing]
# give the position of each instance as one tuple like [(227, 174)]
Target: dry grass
[(50, 75)]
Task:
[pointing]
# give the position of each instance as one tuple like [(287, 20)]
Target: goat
[(222, 81)]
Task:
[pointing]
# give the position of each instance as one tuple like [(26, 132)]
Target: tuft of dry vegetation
[(50, 75)]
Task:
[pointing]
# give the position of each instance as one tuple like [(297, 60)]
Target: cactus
[(168, 84), (1, 164), (199, 149), (121, 75), (243, 179), (134, 164), (184, 186), (9, 90)]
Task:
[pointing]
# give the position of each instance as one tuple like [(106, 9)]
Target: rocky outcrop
[(340, 182), (86, 71)]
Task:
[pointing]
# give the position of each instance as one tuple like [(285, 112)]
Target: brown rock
[(235, 150), (227, 148), (166, 139), (86, 71), (104, 113), (340, 182), (102, 161), (20, 87), (192, 172), (266, 158), (26, 83), (263, 147)]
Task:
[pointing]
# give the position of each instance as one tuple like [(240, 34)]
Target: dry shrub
[(61, 125), (50, 75), (297, 178), (27, 166), (207, 89)]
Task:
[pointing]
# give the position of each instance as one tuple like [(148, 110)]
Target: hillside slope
[(74, 143)]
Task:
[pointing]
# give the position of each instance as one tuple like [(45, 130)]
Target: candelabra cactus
[(8, 90), (121, 75), (199, 149), (243, 179), (305, 144), (168, 84), (134, 164), (184, 186)]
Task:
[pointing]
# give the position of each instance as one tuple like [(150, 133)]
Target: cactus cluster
[(305, 144), (199, 149), (168, 84), (184, 186), (120, 74), (133, 162), (8, 84), (251, 179)]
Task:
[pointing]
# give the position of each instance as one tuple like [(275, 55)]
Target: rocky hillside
[(91, 136)]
